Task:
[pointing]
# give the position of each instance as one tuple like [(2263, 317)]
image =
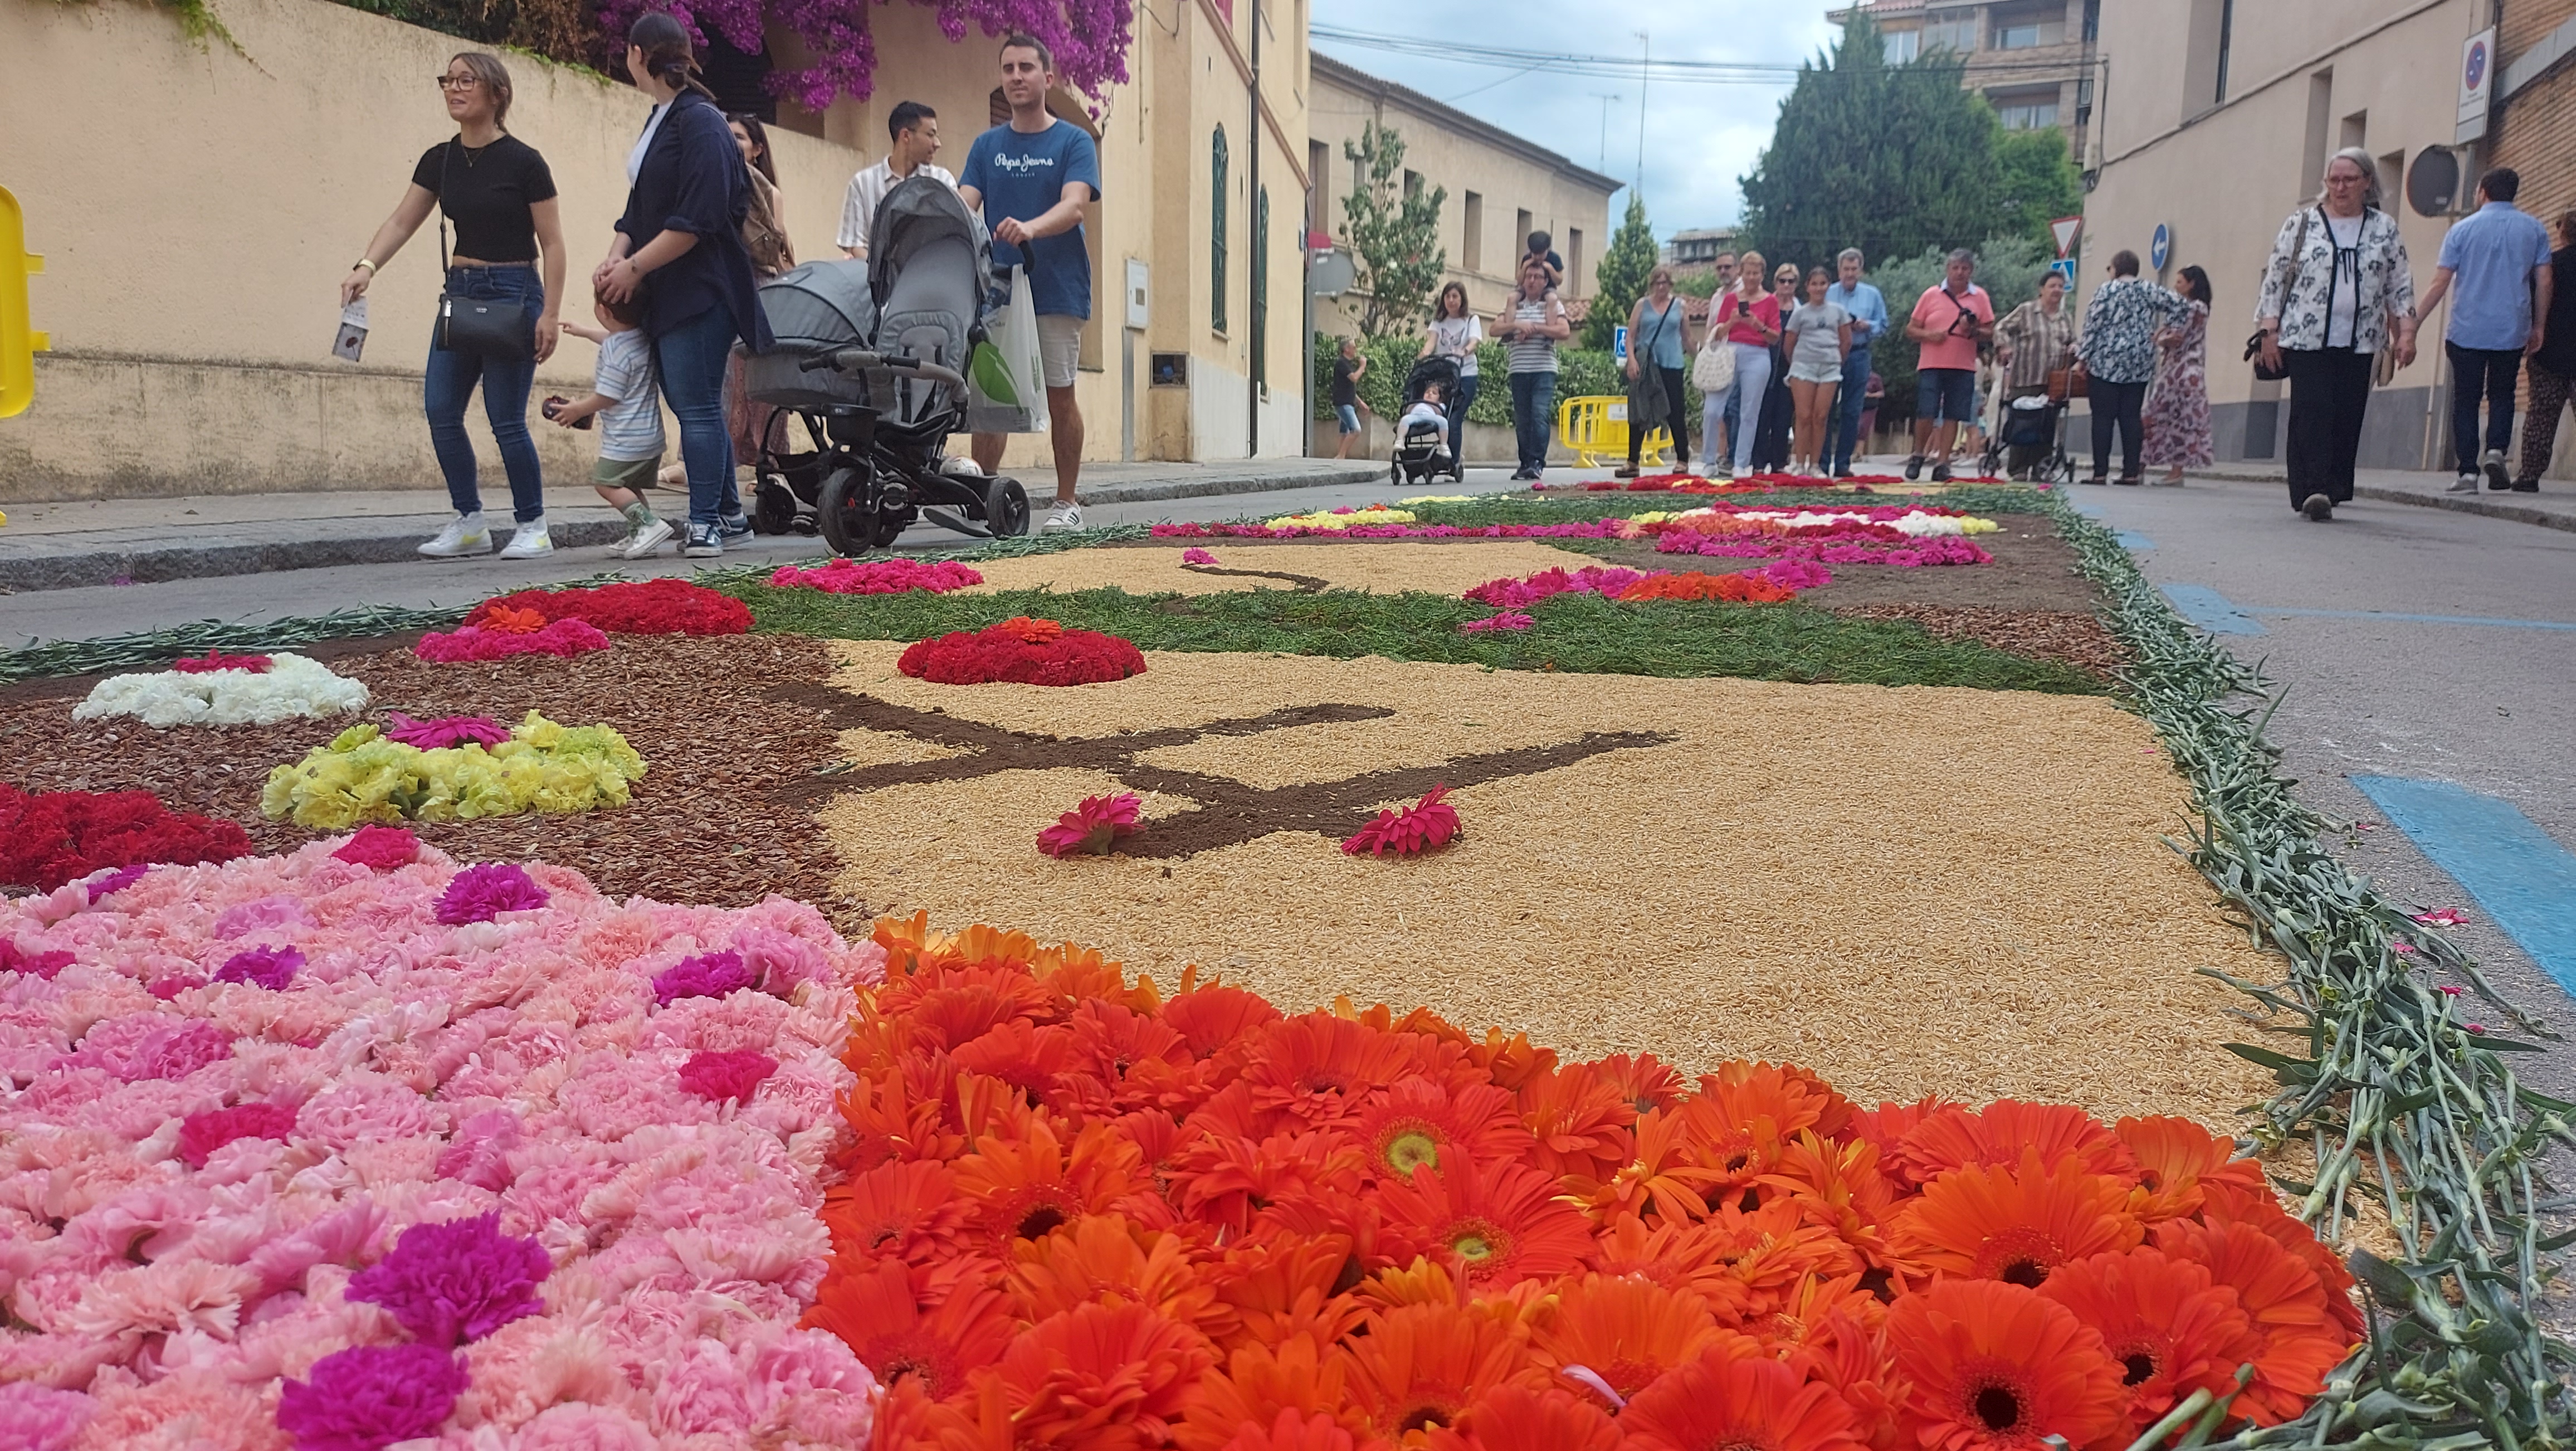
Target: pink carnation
[(200, 1134), (720, 1076), (1093, 827), (707, 975), (1197, 556), (40, 1418), (481, 893), (1794, 574), (367, 1397), (380, 848), (480, 1153), (1424, 826), (446, 730), (457, 1281), (269, 967), (566, 637), (14, 958)]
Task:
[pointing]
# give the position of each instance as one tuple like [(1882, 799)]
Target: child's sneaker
[(644, 541), (464, 537)]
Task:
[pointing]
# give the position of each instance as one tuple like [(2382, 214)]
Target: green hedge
[(1580, 373)]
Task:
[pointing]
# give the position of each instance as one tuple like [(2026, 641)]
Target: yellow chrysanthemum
[(363, 777)]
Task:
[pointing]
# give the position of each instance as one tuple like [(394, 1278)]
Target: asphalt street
[(2416, 645)]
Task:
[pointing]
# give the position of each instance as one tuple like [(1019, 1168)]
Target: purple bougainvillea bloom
[(720, 1076), (707, 975), (269, 967), (367, 1397), (457, 1281), (481, 893)]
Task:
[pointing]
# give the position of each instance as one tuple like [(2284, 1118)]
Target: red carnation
[(48, 838), (214, 660), (1023, 651), (720, 1076), (1093, 827), (1426, 825), (380, 848), (649, 607)]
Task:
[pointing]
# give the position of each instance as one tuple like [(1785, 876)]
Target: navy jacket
[(693, 180)]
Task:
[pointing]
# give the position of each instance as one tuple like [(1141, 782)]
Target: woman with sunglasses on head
[(499, 193)]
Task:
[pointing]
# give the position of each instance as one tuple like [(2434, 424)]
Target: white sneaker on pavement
[(1065, 519), (463, 537), (647, 539), (532, 541)]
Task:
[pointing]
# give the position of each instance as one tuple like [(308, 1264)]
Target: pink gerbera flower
[(1426, 825), (446, 730), (1093, 827)]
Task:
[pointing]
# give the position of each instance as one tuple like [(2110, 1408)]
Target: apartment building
[(2032, 59)]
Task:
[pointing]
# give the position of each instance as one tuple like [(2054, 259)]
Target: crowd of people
[(675, 299)]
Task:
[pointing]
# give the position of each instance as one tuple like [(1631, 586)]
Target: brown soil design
[(697, 830), (1911, 891), (1383, 566), (2033, 570), (2077, 638), (1306, 583)]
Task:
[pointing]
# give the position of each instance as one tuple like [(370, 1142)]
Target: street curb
[(400, 540), (2462, 503)]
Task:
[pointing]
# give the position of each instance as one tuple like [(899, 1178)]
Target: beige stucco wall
[(195, 232)]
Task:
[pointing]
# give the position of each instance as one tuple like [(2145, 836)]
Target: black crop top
[(487, 193)]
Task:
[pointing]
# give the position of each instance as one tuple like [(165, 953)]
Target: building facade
[(2217, 140), (2032, 59), (1696, 249), (1500, 187)]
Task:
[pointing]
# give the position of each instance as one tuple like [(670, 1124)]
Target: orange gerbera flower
[(1662, 1183), (1225, 1180), (1999, 1224), (1287, 1287), (1102, 1257), (1213, 1016), (1580, 1117), (1511, 1062), (1422, 1366), (1023, 1188), (1742, 1116), (874, 1310), (2175, 1156), (1260, 1385), (1021, 1054), (1321, 1067), (1422, 1282), (1647, 1082), (1108, 1376), (2302, 1338), (1837, 1184), (1991, 1366), (898, 1210), (2229, 1201), (1624, 1331), (1772, 1250), (1677, 1256), (1494, 1223), (1729, 1401), (1886, 1126), (1424, 1122), (890, 1121), (1512, 1418), (948, 1008), (2171, 1328), (2003, 1133), (1292, 1432)]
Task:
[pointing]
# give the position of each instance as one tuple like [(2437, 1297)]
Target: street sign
[(2160, 247), (1619, 344), (2477, 83), (1330, 274), (2065, 267), (2066, 230)]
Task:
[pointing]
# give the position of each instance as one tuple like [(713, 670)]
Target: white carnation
[(292, 687)]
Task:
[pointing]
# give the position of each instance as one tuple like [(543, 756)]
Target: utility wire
[(1683, 72)]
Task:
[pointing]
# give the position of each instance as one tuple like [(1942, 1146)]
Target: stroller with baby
[(1421, 445), (872, 356)]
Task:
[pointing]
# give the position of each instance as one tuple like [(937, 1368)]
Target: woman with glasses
[(497, 191)]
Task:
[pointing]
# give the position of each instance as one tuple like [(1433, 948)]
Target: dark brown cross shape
[(1226, 813)]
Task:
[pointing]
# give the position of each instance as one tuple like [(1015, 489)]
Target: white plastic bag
[(1006, 382)]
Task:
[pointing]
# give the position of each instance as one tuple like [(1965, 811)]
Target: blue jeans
[(1458, 419), (2489, 373), (1842, 424), (1533, 411), (449, 380), (692, 359)]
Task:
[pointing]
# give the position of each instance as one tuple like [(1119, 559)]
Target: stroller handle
[(852, 360)]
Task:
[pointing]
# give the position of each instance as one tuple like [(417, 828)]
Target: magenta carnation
[(707, 975), (367, 1397), (1197, 556), (457, 1281), (1093, 827), (14, 958), (481, 893), (1507, 620), (107, 883), (566, 637), (380, 848), (726, 1075), (269, 967), (447, 730), (877, 577), (1425, 825), (200, 1134)]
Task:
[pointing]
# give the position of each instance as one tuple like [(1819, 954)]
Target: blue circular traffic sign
[(2160, 247)]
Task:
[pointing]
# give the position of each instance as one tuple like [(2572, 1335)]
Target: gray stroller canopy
[(820, 305), (917, 215)]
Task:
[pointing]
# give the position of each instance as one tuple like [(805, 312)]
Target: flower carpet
[(1643, 969)]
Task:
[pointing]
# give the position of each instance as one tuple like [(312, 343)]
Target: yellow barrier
[(19, 340), (1596, 431)]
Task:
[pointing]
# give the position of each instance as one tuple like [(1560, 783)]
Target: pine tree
[(1889, 159), (1621, 278), (1393, 236)]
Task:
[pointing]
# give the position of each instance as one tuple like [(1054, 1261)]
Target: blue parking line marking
[(2525, 880), (2211, 610), (2132, 540), (2413, 619), (2089, 511)]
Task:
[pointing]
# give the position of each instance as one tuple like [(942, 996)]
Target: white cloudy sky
[(1699, 137)]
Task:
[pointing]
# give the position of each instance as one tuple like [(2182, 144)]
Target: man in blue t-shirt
[(1032, 178), (2497, 258)]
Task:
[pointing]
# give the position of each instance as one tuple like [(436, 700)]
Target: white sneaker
[(646, 540), (530, 542), (463, 536), (1065, 519)]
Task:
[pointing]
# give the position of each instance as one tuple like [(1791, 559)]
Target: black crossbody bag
[(501, 331)]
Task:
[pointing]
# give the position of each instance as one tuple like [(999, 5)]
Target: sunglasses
[(456, 83)]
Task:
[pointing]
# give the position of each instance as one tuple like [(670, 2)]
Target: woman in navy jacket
[(679, 248)]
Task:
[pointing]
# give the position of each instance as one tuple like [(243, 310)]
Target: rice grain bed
[(1381, 567), (1912, 891)]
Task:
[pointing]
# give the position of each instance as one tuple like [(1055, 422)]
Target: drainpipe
[(1257, 327)]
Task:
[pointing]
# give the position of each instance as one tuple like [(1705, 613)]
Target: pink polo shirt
[(1938, 309), (1744, 330)]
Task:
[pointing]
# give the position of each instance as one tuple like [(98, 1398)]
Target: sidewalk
[(2554, 507), (87, 542)]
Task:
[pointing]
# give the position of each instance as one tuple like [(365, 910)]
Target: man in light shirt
[(915, 129)]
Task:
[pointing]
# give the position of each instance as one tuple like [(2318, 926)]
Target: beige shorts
[(1059, 347)]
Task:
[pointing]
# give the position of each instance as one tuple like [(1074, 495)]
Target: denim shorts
[(1945, 395), (1350, 416)]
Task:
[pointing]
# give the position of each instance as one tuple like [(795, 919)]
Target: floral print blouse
[(2120, 326), (2296, 289)]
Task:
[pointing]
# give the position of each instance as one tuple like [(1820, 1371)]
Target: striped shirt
[(630, 428), (1527, 352), (867, 190)]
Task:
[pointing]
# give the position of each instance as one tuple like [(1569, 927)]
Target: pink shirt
[(1765, 307), (1936, 308)]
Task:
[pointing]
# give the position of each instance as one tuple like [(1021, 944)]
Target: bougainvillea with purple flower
[(1090, 38)]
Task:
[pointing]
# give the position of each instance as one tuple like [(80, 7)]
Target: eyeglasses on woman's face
[(465, 82)]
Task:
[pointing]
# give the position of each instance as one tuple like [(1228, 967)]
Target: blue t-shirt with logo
[(1023, 174)]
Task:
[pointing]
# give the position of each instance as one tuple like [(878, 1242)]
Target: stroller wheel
[(773, 506), (848, 512), (1006, 508)]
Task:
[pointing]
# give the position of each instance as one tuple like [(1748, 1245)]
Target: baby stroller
[(871, 355), (2025, 424), (1422, 447)]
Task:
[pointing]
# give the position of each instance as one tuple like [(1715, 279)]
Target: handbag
[(1713, 371), (2254, 344), (500, 331), (2072, 381)]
